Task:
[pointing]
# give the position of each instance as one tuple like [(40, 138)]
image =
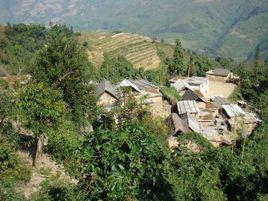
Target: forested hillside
[(218, 27)]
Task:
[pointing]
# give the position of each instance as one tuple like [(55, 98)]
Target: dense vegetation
[(126, 158)]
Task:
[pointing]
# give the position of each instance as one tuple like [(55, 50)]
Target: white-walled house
[(198, 83)]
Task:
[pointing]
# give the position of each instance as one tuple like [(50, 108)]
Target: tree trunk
[(38, 152)]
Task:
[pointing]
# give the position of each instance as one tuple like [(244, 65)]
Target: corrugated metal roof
[(185, 107), (219, 101), (138, 85), (144, 84), (233, 110), (106, 86), (181, 85), (128, 83)]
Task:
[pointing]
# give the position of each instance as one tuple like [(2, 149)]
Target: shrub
[(170, 94)]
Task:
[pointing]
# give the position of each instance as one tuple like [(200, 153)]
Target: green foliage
[(126, 157), (202, 65), (116, 69), (53, 190), (127, 160), (63, 64), (170, 94), (42, 107), (6, 106), (20, 42), (178, 66), (12, 171), (62, 144), (254, 83), (201, 172), (157, 126)]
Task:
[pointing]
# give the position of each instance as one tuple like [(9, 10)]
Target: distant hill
[(139, 50), (229, 28)]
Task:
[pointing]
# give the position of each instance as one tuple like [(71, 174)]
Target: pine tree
[(178, 62)]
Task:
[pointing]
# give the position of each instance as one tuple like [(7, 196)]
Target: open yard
[(220, 88)]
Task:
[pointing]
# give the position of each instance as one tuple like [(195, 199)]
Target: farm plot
[(139, 50)]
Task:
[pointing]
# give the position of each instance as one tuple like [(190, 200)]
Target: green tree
[(63, 64), (127, 164), (42, 109), (178, 66), (195, 175), (116, 69)]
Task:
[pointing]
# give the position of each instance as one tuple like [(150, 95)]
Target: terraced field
[(139, 50)]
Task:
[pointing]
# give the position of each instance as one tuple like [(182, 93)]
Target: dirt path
[(47, 168)]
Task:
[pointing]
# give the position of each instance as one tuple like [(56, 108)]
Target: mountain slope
[(219, 27)]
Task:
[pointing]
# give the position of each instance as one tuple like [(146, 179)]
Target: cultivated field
[(139, 50)]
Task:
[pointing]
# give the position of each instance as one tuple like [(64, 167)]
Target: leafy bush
[(12, 171), (124, 165), (55, 190), (171, 94), (62, 144)]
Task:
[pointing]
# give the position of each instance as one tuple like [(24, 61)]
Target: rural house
[(107, 94), (197, 96), (219, 75), (146, 92), (198, 83), (193, 83), (181, 86)]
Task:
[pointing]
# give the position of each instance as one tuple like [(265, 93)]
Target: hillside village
[(204, 107)]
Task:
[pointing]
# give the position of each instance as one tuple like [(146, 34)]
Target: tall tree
[(63, 64), (42, 109), (178, 61)]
